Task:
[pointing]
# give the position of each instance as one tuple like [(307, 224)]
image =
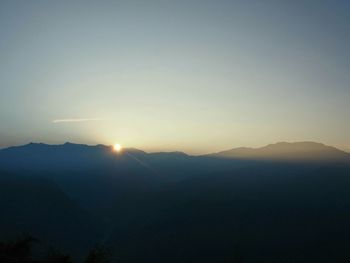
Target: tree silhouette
[(236, 254), (56, 256), (19, 250), (99, 254)]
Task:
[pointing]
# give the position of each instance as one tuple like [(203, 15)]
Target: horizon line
[(172, 151)]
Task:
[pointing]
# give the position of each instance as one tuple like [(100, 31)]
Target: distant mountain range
[(298, 151), (284, 200), (85, 155)]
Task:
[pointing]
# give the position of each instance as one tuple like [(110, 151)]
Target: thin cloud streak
[(76, 120)]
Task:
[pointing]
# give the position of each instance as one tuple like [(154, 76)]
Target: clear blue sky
[(197, 76)]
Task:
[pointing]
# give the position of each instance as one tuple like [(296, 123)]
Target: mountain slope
[(298, 151), (214, 204), (38, 206)]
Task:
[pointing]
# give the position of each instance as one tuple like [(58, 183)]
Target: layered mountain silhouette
[(41, 156), (285, 202), (79, 156)]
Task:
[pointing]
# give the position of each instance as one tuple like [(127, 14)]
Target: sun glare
[(117, 147)]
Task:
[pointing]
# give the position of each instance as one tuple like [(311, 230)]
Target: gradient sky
[(196, 76)]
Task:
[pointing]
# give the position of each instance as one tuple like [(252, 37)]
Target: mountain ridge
[(70, 144), (287, 150)]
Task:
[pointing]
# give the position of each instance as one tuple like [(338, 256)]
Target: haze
[(196, 76)]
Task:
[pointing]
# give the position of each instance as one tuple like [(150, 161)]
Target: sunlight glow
[(117, 147)]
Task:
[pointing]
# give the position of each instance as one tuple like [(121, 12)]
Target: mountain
[(41, 157), (284, 151), (96, 176), (174, 207), (38, 206), (68, 156)]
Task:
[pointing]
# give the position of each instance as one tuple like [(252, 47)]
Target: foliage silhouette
[(20, 251), (237, 258), (99, 254), (56, 256)]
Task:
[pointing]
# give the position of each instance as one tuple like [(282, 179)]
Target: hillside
[(298, 151)]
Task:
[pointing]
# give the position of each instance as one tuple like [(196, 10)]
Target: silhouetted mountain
[(38, 157), (298, 151), (286, 202), (37, 206), (276, 213), (68, 156)]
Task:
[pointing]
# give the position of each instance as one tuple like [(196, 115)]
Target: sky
[(194, 76)]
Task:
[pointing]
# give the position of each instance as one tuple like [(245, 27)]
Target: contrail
[(76, 120)]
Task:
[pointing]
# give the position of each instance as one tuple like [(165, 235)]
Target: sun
[(117, 147)]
